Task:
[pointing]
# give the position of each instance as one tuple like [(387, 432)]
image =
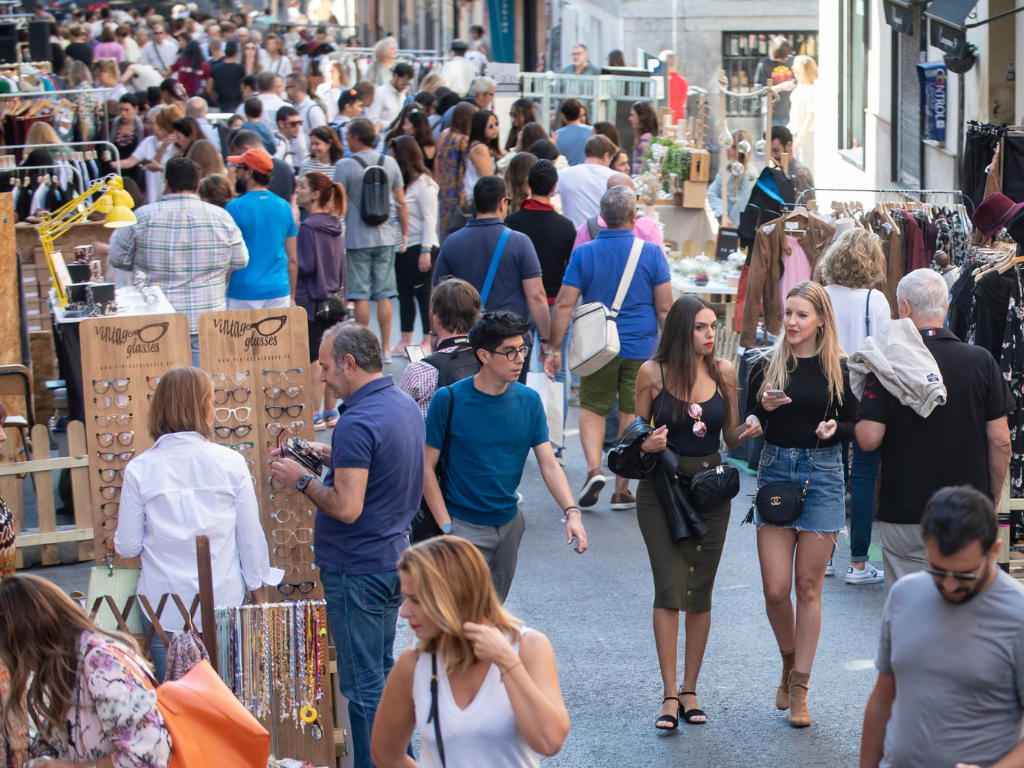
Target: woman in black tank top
[(690, 394)]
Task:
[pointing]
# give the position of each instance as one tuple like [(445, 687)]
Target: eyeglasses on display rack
[(242, 413), (302, 569), (277, 411), (152, 381), (239, 395), (294, 427), (275, 393), (112, 419), (117, 401), (242, 448), (282, 495), (223, 379), (106, 439), (102, 386), (109, 491), (301, 535), (107, 512), (109, 475), (239, 431), (110, 524), (284, 515), (110, 458), (304, 587), (276, 377), (287, 550)]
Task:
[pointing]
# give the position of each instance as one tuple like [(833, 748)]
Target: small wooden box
[(695, 194), (700, 165)]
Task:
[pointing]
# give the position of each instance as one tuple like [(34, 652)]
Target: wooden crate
[(700, 165), (695, 194)]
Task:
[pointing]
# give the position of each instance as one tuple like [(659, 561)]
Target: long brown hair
[(648, 119), (40, 629), (516, 179), (326, 134), (462, 117), (680, 362), (409, 156), (329, 195), (180, 403), (451, 582), (781, 360)]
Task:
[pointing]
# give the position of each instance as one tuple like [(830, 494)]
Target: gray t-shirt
[(349, 173), (959, 672)]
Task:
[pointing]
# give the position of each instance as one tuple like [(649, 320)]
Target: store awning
[(947, 30), (899, 15)]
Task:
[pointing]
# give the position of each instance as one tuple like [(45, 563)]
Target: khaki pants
[(903, 551)]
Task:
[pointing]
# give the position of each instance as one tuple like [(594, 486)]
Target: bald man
[(646, 228), (197, 108)]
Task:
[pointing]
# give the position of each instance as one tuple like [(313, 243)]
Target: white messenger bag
[(595, 338)]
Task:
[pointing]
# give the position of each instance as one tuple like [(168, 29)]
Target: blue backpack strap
[(494, 267)]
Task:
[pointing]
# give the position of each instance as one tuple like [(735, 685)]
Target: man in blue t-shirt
[(595, 270), (268, 229), (574, 133), (494, 423), (365, 505)]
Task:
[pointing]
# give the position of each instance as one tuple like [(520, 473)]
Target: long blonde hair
[(453, 585), (782, 361)]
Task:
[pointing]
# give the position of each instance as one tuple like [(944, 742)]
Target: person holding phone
[(691, 395), (800, 395)]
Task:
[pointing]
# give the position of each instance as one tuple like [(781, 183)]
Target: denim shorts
[(825, 505), (371, 273)]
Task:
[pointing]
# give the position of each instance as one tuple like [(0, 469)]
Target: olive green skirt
[(684, 571)]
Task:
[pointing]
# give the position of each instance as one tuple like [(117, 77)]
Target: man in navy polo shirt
[(517, 284), (364, 507)]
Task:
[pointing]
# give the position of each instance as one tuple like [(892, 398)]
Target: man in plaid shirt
[(187, 247), (454, 307)]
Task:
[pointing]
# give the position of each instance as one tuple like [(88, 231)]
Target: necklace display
[(276, 655)]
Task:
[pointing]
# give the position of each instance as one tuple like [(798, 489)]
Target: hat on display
[(1015, 227), (257, 159), (28, 69), (994, 214)]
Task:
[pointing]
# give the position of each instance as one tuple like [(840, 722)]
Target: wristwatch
[(447, 527), (302, 482)]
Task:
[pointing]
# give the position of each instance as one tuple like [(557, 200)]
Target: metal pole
[(675, 27)]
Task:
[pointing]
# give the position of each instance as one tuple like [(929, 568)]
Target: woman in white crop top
[(498, 700)]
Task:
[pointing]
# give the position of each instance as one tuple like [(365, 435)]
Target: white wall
[(594, 26)]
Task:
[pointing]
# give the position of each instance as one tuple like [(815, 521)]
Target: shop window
[(743, 51), (853, 79)]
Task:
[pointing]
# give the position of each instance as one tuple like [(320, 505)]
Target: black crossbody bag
[(424, 526), (433, 709)]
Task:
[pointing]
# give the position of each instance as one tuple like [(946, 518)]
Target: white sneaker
[(385, 358), (867, 575), (830, 569), (519, 498)]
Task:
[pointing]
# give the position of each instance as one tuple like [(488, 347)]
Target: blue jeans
[(862, 500), (157, 649), (362, 612)]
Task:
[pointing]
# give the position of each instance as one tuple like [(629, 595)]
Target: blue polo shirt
[(467, 254), (380, 429), (266, 223), (596, 269)]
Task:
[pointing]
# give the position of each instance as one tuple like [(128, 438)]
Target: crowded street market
[(292, 291)]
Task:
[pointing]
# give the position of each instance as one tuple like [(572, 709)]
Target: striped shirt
[(312, 164), (185, 246)]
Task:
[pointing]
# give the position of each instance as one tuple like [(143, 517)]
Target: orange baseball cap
[(257, 159)]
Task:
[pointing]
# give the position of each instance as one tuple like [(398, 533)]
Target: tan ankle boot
[(782, 695), (799, 715)]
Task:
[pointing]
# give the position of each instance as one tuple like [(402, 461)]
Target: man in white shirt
[(140, 76), (581, 186), (312, 114), (197, 108), (459, 72), (160, 52), (292, 146), (389, 98), (267, 84)]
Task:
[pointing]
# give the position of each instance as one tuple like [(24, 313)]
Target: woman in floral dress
[(450, 169), (7, 532), (77, 688)]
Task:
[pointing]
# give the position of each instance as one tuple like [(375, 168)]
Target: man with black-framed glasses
[(950, 689), (486, 425)]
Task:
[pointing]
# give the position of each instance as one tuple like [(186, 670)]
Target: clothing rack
[(58, 147), (42, 94), (961, 198)]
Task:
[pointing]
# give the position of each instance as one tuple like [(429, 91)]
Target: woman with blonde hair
[(280, 64), (470, 651), (432, 82), (801, 114), (800, 395), (77, 686), (204, 154), (853, 269), (186, 485), (153, 151), (328, 91), (733, 195)]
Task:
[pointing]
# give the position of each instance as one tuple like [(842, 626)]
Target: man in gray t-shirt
[(370, 250), (950, 686)]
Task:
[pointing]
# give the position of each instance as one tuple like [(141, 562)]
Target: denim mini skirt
[(824, 507)]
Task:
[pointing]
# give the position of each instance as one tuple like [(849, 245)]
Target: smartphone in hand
[(775, 392), (414, 352)]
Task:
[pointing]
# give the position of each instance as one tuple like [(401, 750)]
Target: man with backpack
[(370, 180), (454, 307)]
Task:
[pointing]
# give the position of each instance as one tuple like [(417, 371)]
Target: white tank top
[(471, 177), (484, 733)]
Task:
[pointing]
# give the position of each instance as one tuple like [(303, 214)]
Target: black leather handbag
[(715, 486), (331, 310)]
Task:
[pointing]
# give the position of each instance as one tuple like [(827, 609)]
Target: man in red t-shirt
[(678, 88)]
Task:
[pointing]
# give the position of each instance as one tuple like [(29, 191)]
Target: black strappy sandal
[(691, 713), (673, 722)]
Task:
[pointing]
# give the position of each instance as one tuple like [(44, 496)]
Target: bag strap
[(492, 271), (867, 314), (433, 708), (627, 276), (593, 228), (361, 161), (448, 424)]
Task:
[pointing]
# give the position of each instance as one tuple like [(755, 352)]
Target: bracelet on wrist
[(556, 353)]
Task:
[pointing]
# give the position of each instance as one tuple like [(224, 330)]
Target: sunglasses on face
[(974, 576)]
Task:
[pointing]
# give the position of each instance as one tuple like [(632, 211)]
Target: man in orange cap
[(268, 229)]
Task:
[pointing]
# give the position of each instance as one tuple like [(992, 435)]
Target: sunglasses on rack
[(294, 427), (302, 569), (152, 381), (108, 513)]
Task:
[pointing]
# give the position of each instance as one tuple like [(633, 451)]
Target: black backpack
[(454, 366), (772, 192), (375, 201)]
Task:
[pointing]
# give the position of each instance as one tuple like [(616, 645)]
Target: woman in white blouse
[(414, 267), (184, 486), (280, 64)]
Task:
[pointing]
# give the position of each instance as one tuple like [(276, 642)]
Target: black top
[(673, 413), (80, 52), (950, 447), (779, 72), (552, 235), (282, 180), (793, 425), (227, 84)]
